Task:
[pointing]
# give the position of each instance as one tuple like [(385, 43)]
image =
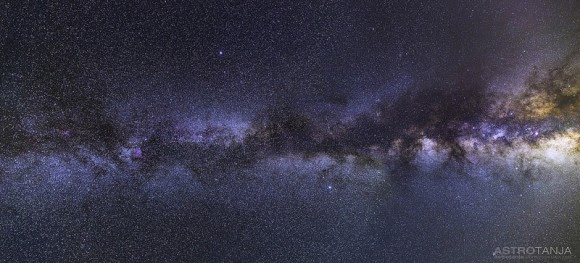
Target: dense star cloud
[(276, 131)]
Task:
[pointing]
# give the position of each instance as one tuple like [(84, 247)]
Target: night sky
[(288, 131)]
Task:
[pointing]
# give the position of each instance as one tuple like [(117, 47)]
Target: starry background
[(288, 130)]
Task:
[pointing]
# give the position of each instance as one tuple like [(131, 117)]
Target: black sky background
[(299, 49)]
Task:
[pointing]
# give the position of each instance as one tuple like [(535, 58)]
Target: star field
[(327, 131)]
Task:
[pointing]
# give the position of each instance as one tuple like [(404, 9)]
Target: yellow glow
[(561, 146), (539, 106)]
